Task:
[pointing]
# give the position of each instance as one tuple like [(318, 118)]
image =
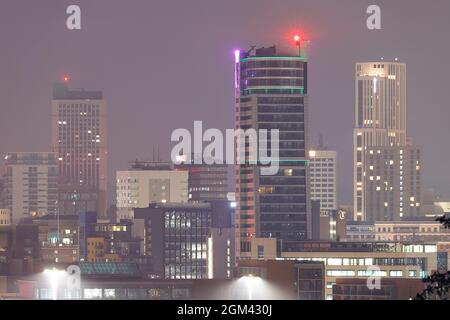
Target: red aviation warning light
[(66, 78), (297, 40)]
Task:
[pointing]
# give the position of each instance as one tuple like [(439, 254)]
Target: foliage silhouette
[(438, 284)]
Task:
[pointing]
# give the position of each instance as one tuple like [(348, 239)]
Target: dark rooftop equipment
[(266, 52), (61, 92)]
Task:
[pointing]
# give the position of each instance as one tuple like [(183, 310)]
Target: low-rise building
[(149, 183), (360, 259), (359, 231), (415, 230), (389, 289), (176, 237)]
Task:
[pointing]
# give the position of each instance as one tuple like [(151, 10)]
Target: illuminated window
[(396, 273), (92, 293), (334, 262), (341, 273)]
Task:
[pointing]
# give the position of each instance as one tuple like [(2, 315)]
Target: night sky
[(163, 64)]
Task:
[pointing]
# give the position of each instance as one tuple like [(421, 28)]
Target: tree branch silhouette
[(438, 284)]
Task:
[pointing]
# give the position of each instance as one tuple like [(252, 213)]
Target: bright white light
[(181, 158), (312, 153), (237, 55), (252, 283), (54, 278), (210, 258)]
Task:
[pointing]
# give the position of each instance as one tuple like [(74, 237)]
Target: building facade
[(106, 241), (138, 188), (79, 138), (206, 182), (271, 93), (392, 182), (333, 225), (360, 231), (364, 260), (30, 184), (221, 253), (176, 239), (390, 289), (5, 217), (19, 250), (427, 231), (386, 165), (322, 168), (310, 280), (74, 200), (58, 238)]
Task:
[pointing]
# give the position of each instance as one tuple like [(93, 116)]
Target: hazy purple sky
[(163, 64)]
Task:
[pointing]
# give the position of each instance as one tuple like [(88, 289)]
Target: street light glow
[(251, 282), (54, 279)]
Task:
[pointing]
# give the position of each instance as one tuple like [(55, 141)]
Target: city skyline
[(332, 57), (157, 150)]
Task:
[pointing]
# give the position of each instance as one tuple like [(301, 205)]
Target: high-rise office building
[(80, 140), (386, 165), (322, 168), (149, 182), (271, 93), (30, 184)]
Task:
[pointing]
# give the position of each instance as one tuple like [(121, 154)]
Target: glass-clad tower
[(271, 93)]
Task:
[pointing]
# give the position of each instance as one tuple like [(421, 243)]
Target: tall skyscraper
[(386, 165), (322, 168), (30, 184), (271, 93), (80, 140)]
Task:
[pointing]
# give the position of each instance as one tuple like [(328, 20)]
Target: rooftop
[(61, 92)]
